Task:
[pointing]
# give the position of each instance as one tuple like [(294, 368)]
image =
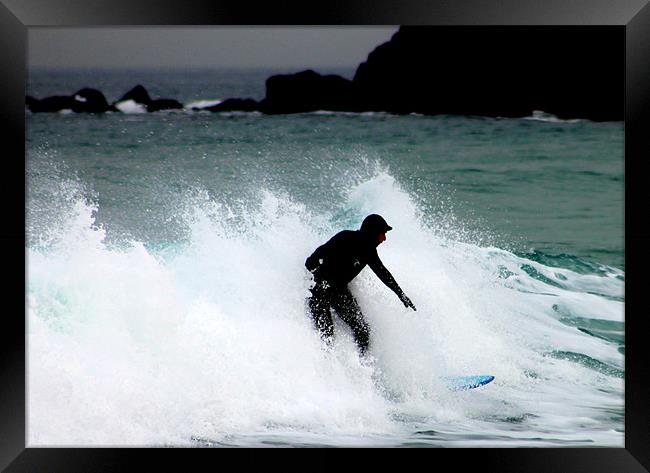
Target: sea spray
[(208, 338)]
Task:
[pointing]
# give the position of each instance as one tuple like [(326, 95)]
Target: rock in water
[(139, 95), (163, 104), (235, 105), (307, 91), (89, 101), (49, 104)]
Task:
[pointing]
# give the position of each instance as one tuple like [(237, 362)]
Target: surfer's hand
[(406, 301)]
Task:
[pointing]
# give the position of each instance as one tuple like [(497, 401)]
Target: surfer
[(334, 264)]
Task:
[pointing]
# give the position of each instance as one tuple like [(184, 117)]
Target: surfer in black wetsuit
[(335, 264)]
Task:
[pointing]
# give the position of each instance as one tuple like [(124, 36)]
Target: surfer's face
[(381, 238)]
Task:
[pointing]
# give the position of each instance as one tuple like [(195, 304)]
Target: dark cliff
[(509, 71)]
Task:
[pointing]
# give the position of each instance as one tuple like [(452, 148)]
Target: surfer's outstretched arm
[(384, 275)]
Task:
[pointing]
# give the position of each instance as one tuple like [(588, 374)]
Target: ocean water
[(166, 283)]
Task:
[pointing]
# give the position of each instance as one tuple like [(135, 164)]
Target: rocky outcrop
[(570, 72), (303, 92), (497, 71), (49, 104), (307, 91), (139, 95), (235, 105), (84, 101), (164, 104), (512, 71), (89, 101)]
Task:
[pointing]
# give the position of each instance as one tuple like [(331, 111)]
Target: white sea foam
[(200, 104), (210, 339), (130, 106), (541, 116)]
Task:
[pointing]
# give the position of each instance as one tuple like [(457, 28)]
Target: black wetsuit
[(343, 257)]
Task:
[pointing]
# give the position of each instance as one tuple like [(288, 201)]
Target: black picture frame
[(16, 16)]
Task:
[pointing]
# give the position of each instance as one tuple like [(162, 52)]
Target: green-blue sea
[(166, 284)]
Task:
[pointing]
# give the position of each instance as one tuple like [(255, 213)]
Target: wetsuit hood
[(374, 225)]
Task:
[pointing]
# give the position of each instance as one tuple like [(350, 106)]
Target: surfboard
[(463, 383)]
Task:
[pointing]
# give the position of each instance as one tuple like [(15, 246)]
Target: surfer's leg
[(319, 306), (348, 309)]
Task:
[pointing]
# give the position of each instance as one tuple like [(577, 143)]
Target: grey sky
[(203, 46)]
